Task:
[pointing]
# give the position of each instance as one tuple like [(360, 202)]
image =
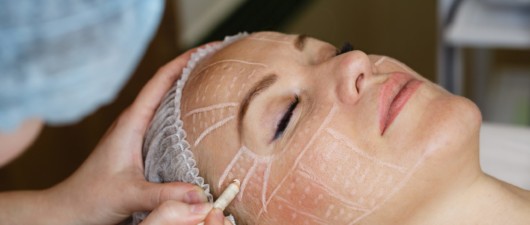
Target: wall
[(402, 29)]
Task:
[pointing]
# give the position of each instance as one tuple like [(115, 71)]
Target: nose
[(352, 69)]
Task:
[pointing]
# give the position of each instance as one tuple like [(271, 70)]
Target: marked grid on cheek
[(331, 113), (364, 187), (358, 190), (298, 216), (343, 139)]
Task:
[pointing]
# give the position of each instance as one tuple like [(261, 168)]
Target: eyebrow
[(299, 42), (258, 88)]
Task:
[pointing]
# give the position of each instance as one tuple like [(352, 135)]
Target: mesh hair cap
[(167, 154)]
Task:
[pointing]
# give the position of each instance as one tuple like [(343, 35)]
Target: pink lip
[(395, 93)]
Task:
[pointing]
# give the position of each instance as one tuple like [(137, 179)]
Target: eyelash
[(346, 47), (284, 122)]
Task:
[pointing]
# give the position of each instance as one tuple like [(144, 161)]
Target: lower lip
[(391, 102)]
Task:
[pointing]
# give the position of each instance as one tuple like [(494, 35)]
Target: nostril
[(358, 82)]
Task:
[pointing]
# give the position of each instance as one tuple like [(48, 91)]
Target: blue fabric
[(62, 59)]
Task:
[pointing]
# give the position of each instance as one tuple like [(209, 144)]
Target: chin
[(438, 121), (455, 127)]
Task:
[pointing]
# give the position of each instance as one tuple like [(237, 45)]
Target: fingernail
[(195, 196), (202, 208)]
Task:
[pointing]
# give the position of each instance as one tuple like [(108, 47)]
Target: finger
[(151, 195), (175, 212), (152, 93), (215, 217)]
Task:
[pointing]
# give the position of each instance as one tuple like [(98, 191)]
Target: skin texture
[(332, 164), (14, 143), (110, 184)]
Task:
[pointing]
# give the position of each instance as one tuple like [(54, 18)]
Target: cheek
[(335, 179)]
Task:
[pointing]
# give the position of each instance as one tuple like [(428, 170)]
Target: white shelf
[(479, 24), (198, 17)]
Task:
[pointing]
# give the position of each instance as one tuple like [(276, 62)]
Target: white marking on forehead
[(342, 138), (232, 61), (270, 40), (294, 209), (212, 128), (212, 107), (379, 61), (331, 113)]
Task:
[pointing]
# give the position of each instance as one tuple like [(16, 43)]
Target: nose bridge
[(351, 70)]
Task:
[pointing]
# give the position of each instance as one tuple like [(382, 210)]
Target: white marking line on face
[(247, 177), (401, 65), (345, 140), (212, 128), (265, 185), (240, 152), (393, 191), (212, 107), (270, 40), (229, 167), (379, 61), (331, 113), (304, 172), (293, 208), (229, 61)]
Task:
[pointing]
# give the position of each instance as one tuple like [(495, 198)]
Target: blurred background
[(433, 37)]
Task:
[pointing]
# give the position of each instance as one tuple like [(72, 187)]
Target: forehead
[(228, 74), (257, 47)]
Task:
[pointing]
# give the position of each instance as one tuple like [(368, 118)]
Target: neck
[(485, 200)]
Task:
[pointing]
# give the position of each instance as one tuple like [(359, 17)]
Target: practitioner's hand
[(174, 212), (110, 185)]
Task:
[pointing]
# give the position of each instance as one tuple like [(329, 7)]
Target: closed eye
[(284, 122)]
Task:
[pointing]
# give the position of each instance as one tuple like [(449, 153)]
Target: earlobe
[(17, 141)]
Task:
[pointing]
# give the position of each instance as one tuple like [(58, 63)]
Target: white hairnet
[(167, 154)]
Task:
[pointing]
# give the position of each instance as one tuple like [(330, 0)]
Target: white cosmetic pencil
[(228, 195)]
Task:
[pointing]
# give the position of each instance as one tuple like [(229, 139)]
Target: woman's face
[(320, 138)]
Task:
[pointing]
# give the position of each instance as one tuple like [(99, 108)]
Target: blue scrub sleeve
[(62, 59)]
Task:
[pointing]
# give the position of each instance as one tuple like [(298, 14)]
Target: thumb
[(216, 217), (151, 195)]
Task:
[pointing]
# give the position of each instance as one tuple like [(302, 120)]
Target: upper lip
[(389, 91)]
